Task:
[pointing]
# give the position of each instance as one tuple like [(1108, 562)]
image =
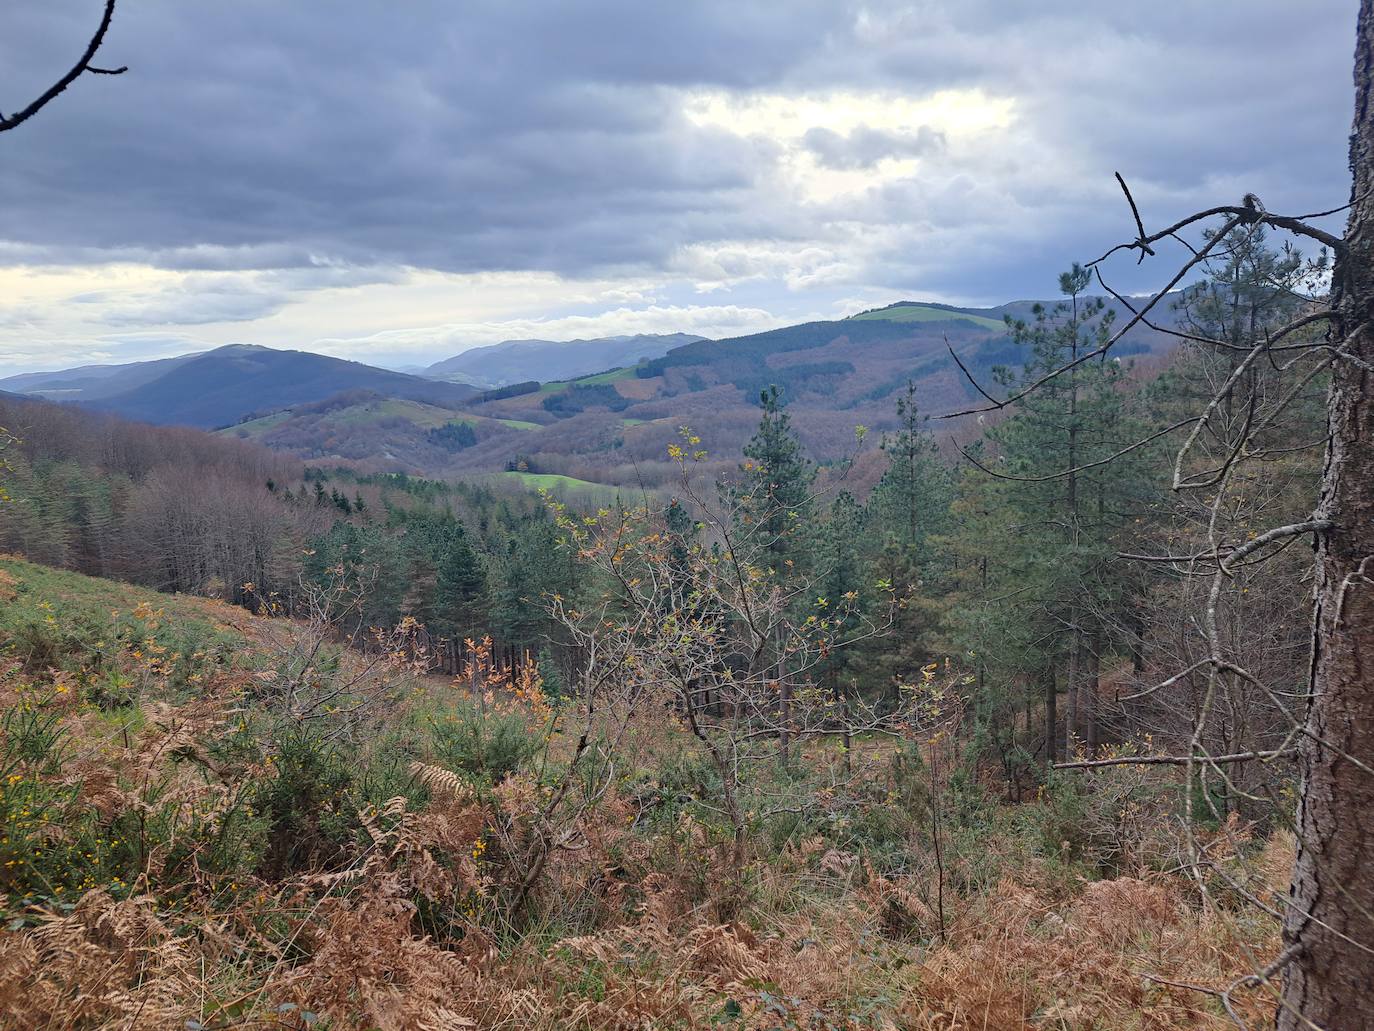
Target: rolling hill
[(610, 425), (367, 428), (92, 382), (909, 311), (222, 387), (615, 426), (513, 361)]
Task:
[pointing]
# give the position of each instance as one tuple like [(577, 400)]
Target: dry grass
[(406, 924), (351, 946)]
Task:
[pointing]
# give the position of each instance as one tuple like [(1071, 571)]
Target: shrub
[(303, 801), (483, 738)]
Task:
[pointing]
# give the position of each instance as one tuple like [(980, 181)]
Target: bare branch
[(969, 376), (1134, 321), (83, 65), (1276, 534), (1176, 760), (1239, 214), (1145, 248), (1078, 468)]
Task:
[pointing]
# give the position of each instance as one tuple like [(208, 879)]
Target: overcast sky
[(398, 180)]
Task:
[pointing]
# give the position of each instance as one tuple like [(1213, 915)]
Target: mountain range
[(610, 426), (515, 361), (222, 387)]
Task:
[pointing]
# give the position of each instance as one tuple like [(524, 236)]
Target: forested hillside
[(183, 511), (841, 712), (931, 668), (614, 427)]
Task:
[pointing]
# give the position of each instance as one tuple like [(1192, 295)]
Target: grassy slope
[(599, 379), (257, 427), (923, 313), (108, 638), (416, 412), (31, 592), (835, 931), (556, 482)]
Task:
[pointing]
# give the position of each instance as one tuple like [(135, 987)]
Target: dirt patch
[(8, 585)]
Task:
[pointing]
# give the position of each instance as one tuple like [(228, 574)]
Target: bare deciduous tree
[(686, 619)]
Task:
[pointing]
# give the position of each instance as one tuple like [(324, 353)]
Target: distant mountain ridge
[(222, 387), (928, 311), (514, 361), (604, 409), (92, 382), (616, 427)]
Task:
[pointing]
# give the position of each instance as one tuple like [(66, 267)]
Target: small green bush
[(487, 742)]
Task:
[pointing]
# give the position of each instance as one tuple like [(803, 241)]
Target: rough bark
[(1329, 925)]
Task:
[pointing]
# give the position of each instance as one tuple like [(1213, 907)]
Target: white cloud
[(91, 313), (784, 116), (808, 132)]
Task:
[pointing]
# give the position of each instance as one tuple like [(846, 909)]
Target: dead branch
[(77, 70), (1136, 319), (1176, 760)]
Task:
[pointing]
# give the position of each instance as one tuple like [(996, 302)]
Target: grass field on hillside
[(419, 414), (556, 482), (105, 635), (257, 427), (600, 379), (924, 313)]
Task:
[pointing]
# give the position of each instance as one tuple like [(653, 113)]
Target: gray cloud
[(865, 147), (197, 305), (516, 135)]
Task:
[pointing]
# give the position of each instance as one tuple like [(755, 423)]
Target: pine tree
[(1056, 563), (911, 501), (773, 499), (460, 601), (908, 518), (841, 582)]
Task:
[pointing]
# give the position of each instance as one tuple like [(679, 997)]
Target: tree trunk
[(846, 740), (784, 721), (1051, 718), (1088, 694), (1071, 696), (1329, 924)]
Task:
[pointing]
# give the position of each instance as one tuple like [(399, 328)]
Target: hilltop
[(221, 387), (513, 361)]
